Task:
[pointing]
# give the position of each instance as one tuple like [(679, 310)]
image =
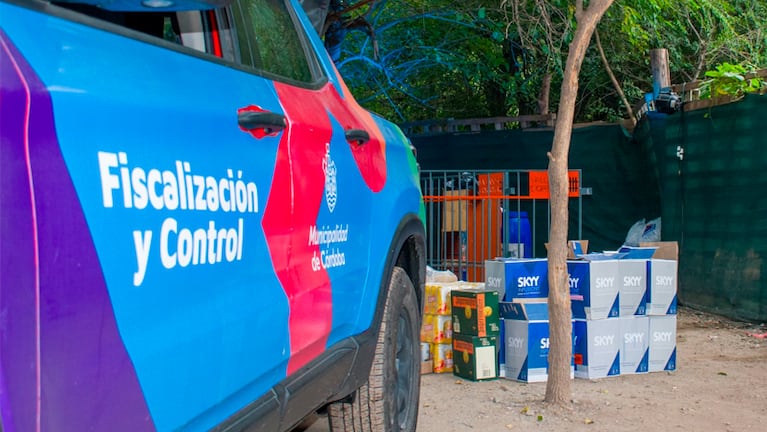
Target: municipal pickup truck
[(200, 229)]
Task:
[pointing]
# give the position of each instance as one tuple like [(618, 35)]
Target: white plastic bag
[(643, 231), (440, 275), (651, 231), (634, 235)]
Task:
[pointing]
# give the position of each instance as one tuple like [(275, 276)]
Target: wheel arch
[(408, 251), (411, 257)]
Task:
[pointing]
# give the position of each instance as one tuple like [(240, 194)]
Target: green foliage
[(435, 61), (440, 58), (697, 34), (730, 80)]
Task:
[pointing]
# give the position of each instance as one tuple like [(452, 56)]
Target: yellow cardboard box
[(442, 355), (438, 297), (437, 329)]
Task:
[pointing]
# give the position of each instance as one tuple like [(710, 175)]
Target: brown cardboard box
[(427, 367), (455, 215), (571, 246), (475, 311), (475, 358), (666, 249)]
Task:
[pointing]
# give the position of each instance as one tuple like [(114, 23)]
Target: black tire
[(388, 402)]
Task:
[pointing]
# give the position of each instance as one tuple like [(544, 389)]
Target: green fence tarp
[(713, 200), (712, 165)]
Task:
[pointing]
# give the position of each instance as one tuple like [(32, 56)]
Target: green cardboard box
[(475, 357), (475, 312)]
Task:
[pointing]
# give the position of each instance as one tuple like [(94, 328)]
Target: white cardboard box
[(661, 287), (635, 331), (526, 341), (662, 355), (594, 289), (597, 346), (518, 278), (632, 276)]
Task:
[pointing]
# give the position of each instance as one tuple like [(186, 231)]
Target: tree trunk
[(558, 389), (661, 76)]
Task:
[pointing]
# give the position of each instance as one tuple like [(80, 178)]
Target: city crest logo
[(331, 185)]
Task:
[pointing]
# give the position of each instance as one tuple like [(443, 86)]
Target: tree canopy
[(424, 59)]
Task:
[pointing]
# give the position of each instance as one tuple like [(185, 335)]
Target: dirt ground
[(720, 385)]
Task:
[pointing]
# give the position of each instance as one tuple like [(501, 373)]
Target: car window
[(261, 34), (268, 39), (190, 28)]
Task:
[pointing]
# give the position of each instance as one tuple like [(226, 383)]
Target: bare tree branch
[(629, 110)]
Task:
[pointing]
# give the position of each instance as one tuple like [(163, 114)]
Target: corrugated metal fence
[(465, 216)]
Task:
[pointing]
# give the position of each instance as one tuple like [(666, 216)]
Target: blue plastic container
[(520, 237)]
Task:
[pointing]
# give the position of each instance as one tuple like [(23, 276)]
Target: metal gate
[(473, 216)]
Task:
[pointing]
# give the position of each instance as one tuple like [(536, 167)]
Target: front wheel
[(388, 402)]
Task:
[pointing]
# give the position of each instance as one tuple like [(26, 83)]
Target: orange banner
[(539, 184), (490, 184)]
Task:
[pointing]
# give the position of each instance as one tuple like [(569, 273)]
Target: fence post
[(661, 76)]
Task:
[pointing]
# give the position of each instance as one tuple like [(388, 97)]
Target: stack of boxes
[(475, 333), (437, 328), (629, 328), (633, 316), (524, 288), (594, 293), (661, 311), (624, 314)]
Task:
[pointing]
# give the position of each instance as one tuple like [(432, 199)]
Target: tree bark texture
[(661, 75), (558, 386)]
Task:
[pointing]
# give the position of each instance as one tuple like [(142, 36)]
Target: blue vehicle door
[(166, 137)]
